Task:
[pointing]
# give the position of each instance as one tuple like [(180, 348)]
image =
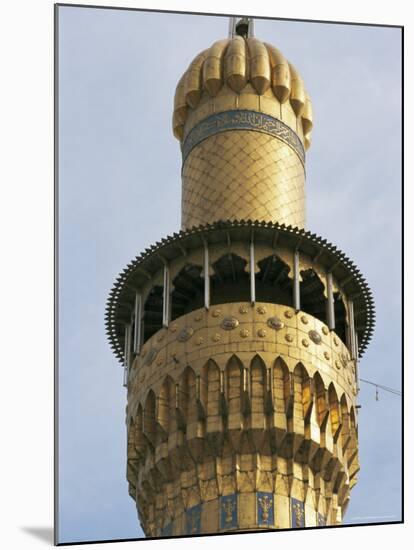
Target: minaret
[(240, 335)]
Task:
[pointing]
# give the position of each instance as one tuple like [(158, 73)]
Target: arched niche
[(211, 388), (131, 451), (334, 411), (258, 387), (166, 406), (230, 282), (149, 418), (188, 293), (273, 283), (321, 401), (187, 396), (152, 318), (281, 387), (234, 369), (346, 426), (352, 454), (302, 391), (312, 297)]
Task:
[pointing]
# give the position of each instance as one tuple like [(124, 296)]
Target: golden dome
[(238, 65)]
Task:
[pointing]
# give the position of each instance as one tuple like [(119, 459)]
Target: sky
[(119, 192)]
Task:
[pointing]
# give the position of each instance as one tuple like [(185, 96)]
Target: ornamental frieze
[(242, 120)]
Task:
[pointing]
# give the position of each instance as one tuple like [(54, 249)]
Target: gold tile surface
[(243, 175)]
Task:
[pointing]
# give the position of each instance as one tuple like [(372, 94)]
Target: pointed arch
[(149, 417), (258, 385), (131, 437), (211, 382), (234, 385), (334, 411), (140, 444), (352, 419), (352, 454), (187, 395), (321, 401), (281, 386), (165, 409), (302, 391), (346, 428)]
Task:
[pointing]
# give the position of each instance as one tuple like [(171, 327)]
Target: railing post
[(166, 296), (138, 322), (331, 307), (252, 274), (206, 270), (356, 361), (296, 287), (352, 341), (126, 352)]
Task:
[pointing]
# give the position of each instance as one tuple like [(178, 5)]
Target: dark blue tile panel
[(298, 513), (265, 510), (228, 512)]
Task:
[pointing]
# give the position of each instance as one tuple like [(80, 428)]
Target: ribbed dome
[(239, 62)]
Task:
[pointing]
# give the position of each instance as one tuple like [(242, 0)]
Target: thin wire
[(385, 388)]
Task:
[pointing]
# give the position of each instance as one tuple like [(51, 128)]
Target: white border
[(26, 217)]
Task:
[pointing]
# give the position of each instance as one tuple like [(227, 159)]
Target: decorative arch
[(149, 418), (139, 439), (312, 297), (187, 396), (353, 442), (230, 281), (334, 412), (188, 291), (258, 388), (321, 402), (131, 450), (346, 427), (273, 283), (303, 397), (352, 455), (152, 317), (210, 376), (281, 386), (234, 381), (166, 406)]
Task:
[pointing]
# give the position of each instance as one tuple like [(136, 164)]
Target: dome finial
[(241, 26)]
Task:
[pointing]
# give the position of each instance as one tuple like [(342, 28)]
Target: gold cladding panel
[(243, 175), (173, 473)]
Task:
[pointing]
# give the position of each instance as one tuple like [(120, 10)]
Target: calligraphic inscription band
[(241, 120)]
